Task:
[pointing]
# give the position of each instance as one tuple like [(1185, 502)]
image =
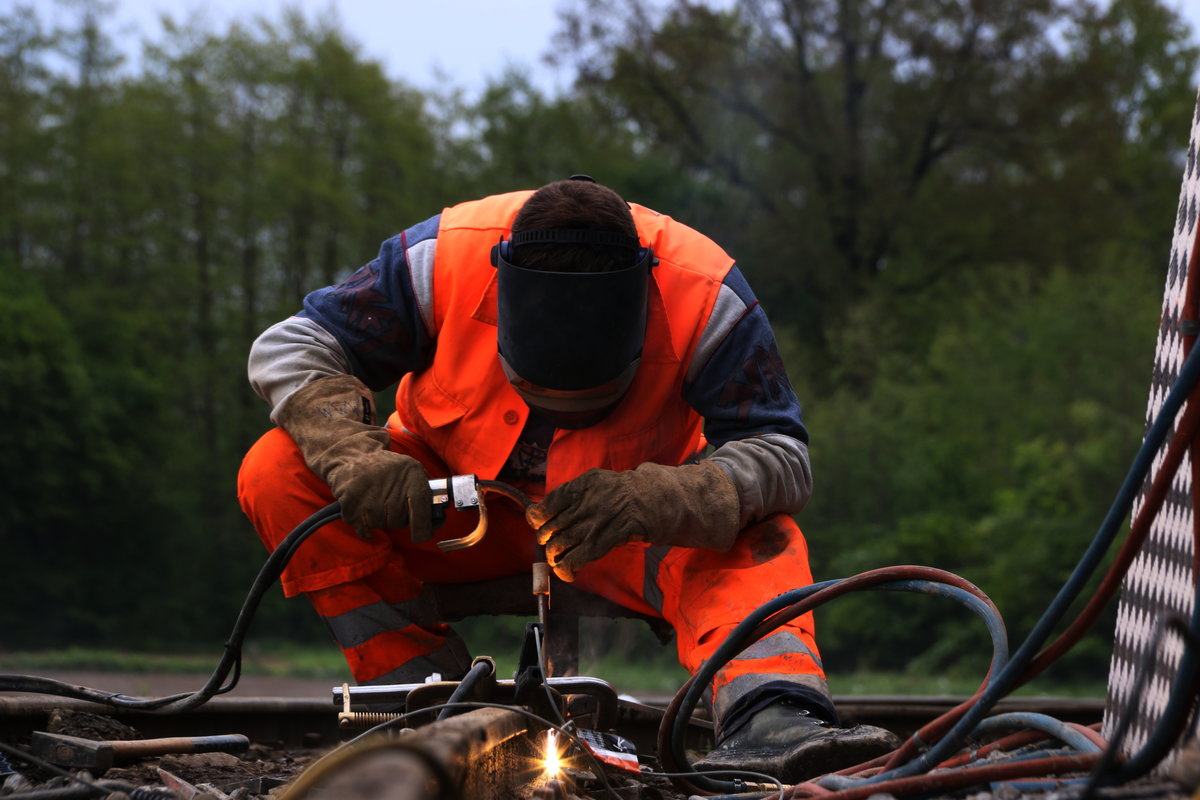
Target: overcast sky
[(468, 40)]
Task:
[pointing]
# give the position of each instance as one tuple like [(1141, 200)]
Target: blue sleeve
[(375, 314), (741, 387)]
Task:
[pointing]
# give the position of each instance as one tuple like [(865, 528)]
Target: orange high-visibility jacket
[(463, 406)]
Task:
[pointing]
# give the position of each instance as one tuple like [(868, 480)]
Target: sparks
[(552, 764)]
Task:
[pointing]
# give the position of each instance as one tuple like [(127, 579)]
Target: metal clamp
[(348, 718), (461, 491), (419, 696)]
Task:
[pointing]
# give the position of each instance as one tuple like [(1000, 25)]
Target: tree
[(24, 84), (155, 214), (934, 199), (995, 454), (517, 138), (890, 143)]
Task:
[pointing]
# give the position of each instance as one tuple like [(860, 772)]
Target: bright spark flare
[(552, 763)]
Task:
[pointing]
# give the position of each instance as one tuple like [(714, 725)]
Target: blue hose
[(1003, 683), (738, 640), (1038, 722)]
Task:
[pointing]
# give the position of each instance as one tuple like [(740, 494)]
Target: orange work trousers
[(369, 591)]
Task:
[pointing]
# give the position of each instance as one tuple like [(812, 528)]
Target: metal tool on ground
[(98, 756)]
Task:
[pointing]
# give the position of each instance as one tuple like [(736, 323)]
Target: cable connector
[(461, 491)]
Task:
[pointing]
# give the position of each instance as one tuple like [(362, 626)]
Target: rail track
[(488, 752)]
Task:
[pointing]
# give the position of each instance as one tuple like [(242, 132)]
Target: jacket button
[(511, 417)]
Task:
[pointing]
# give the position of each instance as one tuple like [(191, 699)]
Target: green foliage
[(864, 145), (45, 381), (523, 139), (994, 454), (921, 682)]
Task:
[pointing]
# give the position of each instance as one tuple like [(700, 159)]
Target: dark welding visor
[(570, 342)]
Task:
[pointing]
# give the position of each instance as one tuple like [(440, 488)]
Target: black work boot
[(790, 743)]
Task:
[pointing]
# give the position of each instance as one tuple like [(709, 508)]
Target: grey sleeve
[(771, 471), (290, 354)]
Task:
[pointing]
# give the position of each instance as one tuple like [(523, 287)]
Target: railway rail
[(294, 721), (488, 752)]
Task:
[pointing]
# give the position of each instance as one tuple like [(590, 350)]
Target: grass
[(284, 661), (657, 676), (920, 684)]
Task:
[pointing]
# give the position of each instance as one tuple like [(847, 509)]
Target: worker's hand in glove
[(380, 489), (332, 422), (695, 505)]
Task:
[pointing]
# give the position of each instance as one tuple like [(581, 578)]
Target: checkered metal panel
[(1160, 578)]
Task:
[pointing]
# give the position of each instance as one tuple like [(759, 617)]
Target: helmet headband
[(588, 236)]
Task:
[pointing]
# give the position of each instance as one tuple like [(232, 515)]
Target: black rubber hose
[(1001, 684), (787, 606), (231, 659), (481, 669)]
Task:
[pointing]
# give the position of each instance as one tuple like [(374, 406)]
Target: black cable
[(1003, 683), (267, 575), (1129, 711), (551, 702), (504, 490), (466, 687), (1180, 701), (779, 610), (230, 661)]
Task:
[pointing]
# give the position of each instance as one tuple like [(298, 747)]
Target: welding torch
[(466, 492)]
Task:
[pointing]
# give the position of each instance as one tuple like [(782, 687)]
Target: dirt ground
[(258, 772), (261, 771), (249, 774), (253, 772)]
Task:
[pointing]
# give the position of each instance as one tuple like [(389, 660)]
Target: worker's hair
[(580, 205)]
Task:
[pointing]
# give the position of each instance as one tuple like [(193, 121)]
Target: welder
[(614, 365)]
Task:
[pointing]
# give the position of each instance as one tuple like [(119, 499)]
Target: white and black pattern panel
[(1160, 577)]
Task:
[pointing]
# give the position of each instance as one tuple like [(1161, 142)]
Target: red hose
[(968, 776)]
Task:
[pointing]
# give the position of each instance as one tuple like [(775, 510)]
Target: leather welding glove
[(694, 505), (332, 421)]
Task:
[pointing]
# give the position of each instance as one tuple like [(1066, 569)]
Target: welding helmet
[(570, 342)]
